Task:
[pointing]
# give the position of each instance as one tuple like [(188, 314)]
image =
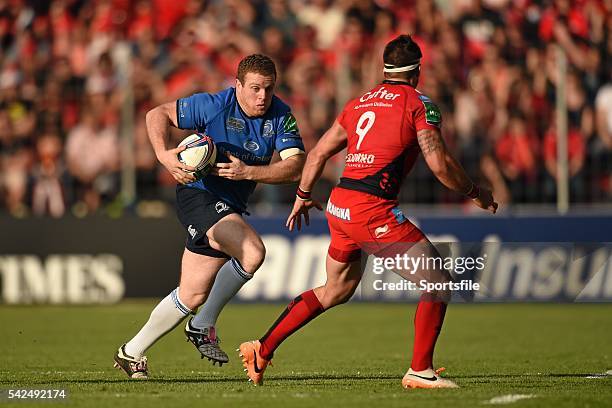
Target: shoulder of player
[(219, 99), (226, 97), (278, 106), (220, 102), (279, 112), (416, 97), (431, 111)]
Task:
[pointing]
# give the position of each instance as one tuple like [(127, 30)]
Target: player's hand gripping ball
[(200, 152)]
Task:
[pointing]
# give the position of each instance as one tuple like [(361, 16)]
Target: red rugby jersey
[(382, 145)]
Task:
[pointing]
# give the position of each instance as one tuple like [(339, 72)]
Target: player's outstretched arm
[(331, 143), (159, 120), (448, 170)]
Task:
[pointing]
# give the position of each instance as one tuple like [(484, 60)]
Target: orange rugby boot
[(253, 363)]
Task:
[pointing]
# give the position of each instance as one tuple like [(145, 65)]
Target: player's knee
[(340, 293), (193, 300), (254, 257), (347, 294), (341, 299)]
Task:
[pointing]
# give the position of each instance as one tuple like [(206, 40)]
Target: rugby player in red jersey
[(384, 131)]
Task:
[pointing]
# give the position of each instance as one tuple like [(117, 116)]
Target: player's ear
[(417, 75), (238, 84)]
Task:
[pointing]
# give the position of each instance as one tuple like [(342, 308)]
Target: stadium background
[(87, 221)]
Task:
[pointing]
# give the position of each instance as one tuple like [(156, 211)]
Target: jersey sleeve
[(288, 139), (341, 119), (426, 114), (342, 116), (195, 111)]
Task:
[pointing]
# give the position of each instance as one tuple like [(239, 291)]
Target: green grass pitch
[(354, 355)]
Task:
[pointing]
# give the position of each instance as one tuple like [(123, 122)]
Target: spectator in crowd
[(517, 154), (48, 178), (325, 17), (601, 180), (576, 156), (92, 156)]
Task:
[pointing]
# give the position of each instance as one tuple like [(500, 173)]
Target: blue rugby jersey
[(252, 140)]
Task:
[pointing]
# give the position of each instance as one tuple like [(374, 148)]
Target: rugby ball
[(200, 153)]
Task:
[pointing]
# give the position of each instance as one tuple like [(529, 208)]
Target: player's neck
[(398, 81)]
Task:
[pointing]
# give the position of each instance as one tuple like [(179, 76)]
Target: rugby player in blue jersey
[(248, 124)]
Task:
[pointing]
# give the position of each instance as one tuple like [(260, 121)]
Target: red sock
[(427, 324), (300, 311)]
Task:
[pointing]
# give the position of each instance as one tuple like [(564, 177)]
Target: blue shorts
[(198, 210)]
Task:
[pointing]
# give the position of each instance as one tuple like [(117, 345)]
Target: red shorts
[(360, 221)]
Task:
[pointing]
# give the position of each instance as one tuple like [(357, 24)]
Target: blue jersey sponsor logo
[(251, 145), (235, 124), (268, 129)]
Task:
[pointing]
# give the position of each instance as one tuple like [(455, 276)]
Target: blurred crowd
[(77, 77)]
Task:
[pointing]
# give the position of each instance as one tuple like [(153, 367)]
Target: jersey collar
[(392, 82)]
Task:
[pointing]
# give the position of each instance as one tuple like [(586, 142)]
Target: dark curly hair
[(402, 51), (256, 63)]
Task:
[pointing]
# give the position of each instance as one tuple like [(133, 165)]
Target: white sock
[(166, 315), (227, 284)]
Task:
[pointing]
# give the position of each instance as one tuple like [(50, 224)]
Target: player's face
[(255, 95)]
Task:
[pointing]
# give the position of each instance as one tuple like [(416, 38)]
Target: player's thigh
[(198, 274), (342, 246), (235, 237)]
